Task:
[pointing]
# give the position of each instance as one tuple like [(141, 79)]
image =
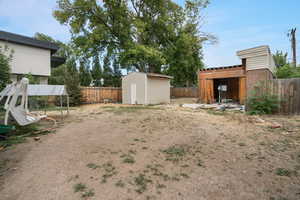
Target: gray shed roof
[(24, 40), (158, 75), (47, 90)]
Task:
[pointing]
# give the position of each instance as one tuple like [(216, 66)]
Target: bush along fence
[(101, 95), (279, 95), (177, 92)]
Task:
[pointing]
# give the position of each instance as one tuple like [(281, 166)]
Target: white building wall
[(258, 58), (134, 78), (158, 90), (28, 59), (259, 62)]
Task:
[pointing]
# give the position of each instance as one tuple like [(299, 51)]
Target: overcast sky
[(238, 24)]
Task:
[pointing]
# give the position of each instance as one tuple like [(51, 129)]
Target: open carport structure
[(234, 77), (257, 66)]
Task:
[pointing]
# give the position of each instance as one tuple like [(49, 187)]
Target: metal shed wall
[(140, 80)]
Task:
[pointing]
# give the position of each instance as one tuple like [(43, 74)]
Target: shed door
[(133, 93)]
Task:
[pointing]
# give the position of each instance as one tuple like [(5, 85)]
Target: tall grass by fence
[(101, 94), (288, 92), (178, 92)]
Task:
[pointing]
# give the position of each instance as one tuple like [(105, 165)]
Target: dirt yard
[(112, 152)]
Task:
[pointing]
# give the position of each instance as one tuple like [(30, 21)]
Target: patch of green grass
[(89, 193), (93, 166), (20, 134), (129, 109), (12, 140), (79, 187), (175, 153), (285, 172)]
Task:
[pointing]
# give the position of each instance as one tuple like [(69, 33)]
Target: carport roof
[(224, 67)]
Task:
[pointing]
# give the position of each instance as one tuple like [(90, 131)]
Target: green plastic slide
[(6, 128)]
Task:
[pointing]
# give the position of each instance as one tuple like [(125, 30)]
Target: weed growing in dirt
[(89, 193), (79, 187), (285, 172), (110, 171), (120, 183), (242, 144), (129, 109), (175, 153), (3, 164), (160, 186), (150, 197), (200, 163), (141, 182), (20, 134), (184, 175), (127, 158), (93, 166)]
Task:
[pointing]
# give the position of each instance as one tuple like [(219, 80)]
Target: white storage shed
[(145, 88)]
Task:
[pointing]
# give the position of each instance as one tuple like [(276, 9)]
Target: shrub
[(262, 101), (5, 58), (288, 71)]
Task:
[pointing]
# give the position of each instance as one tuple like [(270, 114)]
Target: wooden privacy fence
[(101, 94), (288, 92), (177, 92)]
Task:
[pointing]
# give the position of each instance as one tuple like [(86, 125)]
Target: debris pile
[(222, 107)]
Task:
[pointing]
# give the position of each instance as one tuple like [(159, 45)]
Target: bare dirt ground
[(112, 152)]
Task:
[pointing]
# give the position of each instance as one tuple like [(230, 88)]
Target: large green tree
[(284, 69), (142, 35), (280, 58), (65, 74), (5, 58), (96, 71), (84, 74)]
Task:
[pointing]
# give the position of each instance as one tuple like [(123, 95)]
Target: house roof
[(57, 61), (29, 41), (253, 52), (224, 67)]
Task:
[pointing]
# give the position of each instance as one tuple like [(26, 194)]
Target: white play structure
[(18, 108)]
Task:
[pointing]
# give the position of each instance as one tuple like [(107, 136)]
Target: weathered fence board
[(100, 94), (288, 92), (177, 92)]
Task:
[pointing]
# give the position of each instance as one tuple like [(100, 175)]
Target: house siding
[(26, 59)]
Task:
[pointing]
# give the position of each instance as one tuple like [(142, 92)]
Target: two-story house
[(30, 56)]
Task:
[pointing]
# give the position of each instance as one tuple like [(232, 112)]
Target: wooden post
[(68, 104), (61, 111)]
